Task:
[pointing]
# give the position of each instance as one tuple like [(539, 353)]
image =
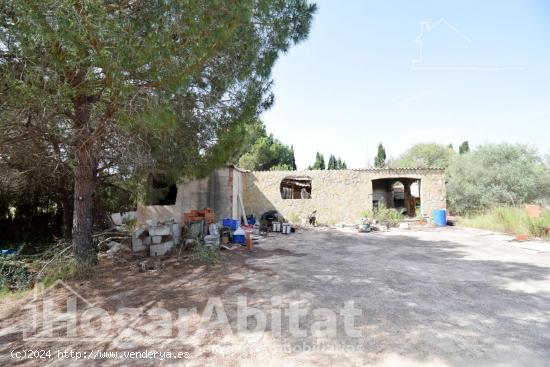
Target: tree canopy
[(464, 148), (264, 152), (319, 162), (425, 155), (380, 159), (496, 174), (334, 163), (117, 87)]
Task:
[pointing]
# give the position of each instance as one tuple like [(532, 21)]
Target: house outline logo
[(418, 64), (39, 294), (40, 291)]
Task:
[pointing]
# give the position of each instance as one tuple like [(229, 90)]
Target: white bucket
[(276, 226), (286, 228)]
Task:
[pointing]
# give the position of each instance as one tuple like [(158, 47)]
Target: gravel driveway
[(430, 297), (453, 296)]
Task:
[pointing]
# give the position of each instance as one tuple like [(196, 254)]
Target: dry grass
[(510, 220)]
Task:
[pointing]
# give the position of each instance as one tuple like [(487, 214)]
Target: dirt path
[(452, 297)]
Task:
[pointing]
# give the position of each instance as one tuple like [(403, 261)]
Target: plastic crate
[(230, 223)]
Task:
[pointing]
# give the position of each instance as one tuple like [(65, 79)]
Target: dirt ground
[(426, 297)]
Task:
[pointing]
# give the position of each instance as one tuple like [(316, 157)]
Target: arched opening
[(400, 193), (296, 187)]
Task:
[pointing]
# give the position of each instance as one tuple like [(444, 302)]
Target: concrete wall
[(337, 195), (157, 213), (218, 191)]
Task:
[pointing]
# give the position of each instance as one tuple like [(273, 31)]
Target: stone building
[(336, 195), (343, 195)]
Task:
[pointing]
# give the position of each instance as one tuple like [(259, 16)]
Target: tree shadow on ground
[(422, 301)]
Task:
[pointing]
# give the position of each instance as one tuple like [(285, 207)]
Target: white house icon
[(442, 25), (426, 27)]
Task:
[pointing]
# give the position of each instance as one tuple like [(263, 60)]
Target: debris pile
[(158, 237), (199, 228)]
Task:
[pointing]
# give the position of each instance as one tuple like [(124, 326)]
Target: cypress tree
[(380, 159)]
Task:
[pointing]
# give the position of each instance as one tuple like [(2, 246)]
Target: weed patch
[(511, 220)]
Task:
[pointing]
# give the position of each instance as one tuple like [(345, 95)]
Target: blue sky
[(484, 77)]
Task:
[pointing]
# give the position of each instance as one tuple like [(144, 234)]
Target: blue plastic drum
[(440, 217)]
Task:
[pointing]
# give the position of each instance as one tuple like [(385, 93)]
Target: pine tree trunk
[(84, 185)]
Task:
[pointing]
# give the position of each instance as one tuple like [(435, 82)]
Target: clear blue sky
[(351, 84)]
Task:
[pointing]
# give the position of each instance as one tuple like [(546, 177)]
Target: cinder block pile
[(159, 238)]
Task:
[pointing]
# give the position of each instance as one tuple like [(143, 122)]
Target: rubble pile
[(158, 237)]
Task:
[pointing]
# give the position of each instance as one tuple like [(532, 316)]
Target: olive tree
[(496, 174)]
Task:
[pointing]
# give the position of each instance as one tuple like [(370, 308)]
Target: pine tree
[(340, 164), (380, 159), (319, 161), (332, 162), (96, 76), (264, 152), (464, 147)]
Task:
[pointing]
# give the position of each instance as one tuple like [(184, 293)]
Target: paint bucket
[(286, 228), (440, 217), (239, 236)]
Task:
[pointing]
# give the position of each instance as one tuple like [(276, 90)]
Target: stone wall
[(337, 195)]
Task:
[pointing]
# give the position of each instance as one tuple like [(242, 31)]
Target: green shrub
[(426, 155), (15, 274), (19, 273), (367, 214), (385, 215), (496, 175), (390, 216), (205, 254)]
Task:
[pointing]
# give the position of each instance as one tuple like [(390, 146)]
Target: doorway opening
[(400, 193)]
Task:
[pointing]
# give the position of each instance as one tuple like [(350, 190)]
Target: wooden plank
[(242, 207)]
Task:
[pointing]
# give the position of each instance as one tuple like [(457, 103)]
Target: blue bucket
[(440, 217)]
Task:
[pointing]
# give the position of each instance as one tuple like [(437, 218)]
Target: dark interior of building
[(396, 193)]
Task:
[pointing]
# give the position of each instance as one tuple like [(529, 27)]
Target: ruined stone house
[(336, 195)]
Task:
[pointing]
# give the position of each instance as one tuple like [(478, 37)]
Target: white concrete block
[(138, 232), (137, 244), (159, 231), (155, 240), (176, 230), (116, 218)]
